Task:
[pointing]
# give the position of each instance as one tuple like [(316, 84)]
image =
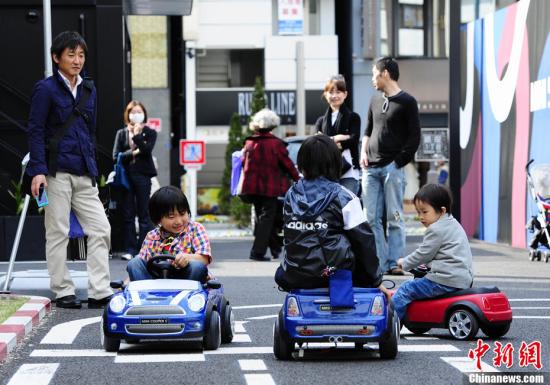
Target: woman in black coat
[(343, 126), (135, 142)]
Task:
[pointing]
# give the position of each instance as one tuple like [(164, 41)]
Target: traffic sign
[(192, 152)]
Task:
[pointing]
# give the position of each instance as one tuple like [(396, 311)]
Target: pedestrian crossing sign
[(192, 152)]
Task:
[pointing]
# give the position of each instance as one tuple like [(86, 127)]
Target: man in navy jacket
[(70, 184)]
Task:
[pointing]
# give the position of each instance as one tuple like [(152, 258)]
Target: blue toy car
[(167, 309), (307, 316)]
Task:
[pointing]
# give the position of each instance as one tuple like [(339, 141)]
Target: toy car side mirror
[(118, 284), (212, 284)]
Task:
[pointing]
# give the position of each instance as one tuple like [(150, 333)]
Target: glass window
[(474, 9), (222, 68), (410, 28)]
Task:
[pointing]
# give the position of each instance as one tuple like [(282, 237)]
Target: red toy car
[(463, 312)]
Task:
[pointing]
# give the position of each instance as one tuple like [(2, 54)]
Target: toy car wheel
[(283, 345), (228, 326), (212, 339), (110, 344), (463, 324), (495, 331), (419, 331), (388, 347)]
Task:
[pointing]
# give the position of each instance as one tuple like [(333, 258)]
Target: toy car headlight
[(117, 304), (196, 302)]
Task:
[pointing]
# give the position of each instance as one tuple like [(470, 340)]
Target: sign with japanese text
[(291, 17), (192, 152)]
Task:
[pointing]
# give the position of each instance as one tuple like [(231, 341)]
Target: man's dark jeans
[(136, 202)]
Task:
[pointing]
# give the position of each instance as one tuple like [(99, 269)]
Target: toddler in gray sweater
[(445, 248)]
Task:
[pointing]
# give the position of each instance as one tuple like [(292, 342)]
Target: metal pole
[(47, 16), (16, 241), (191, 123), (300, 90)]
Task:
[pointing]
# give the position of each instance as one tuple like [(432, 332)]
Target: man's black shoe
[(259, 258), (98, 303), (68, 302)]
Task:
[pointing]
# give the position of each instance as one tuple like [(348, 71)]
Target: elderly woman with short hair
[(267, 169)]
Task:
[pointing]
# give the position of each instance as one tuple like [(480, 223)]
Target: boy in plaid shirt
[(176, 235)]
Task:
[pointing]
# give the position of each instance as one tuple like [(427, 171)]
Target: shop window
[(222, 68)]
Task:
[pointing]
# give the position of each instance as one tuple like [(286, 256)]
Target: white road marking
[(264, 316), (35, 374), (239, 326), (420, 338), (467, 365), (428, 348), (71, 353), (242, 350), (241, 338), (531, 308), (531, 316), (252, 365), (146, 358), (257, 306), (259, 379), (528, 299), (66, 332)]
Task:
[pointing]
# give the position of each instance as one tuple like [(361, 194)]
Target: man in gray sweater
[(445, 248)]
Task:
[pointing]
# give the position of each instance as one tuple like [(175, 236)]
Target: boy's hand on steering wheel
[(181, 261)]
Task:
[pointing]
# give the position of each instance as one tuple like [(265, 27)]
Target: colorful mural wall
[(504, 118)]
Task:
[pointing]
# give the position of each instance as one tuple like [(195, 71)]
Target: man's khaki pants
[(66, 191)]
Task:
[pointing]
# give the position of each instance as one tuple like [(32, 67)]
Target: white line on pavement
[(428, 348), (259, 379), (467, 365), (66, 332), (528, 299), (241, 338), (239, 326), (139, 358), (35, 374), (257, 306), (420, 338), (252, 365), (241, 350), (264, 316), (532, 316), (531, 308), (71, 353)]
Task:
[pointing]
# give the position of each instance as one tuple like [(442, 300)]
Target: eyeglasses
[(385, 105)]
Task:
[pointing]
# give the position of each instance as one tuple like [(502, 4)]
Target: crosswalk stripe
[(259, 379), (531, 317), (241, 338), (252, 365), (139, 358), (256, 306), (528, 299), (264, 317), (71, 353), (530, 307), (36, 374), (467, 365), (241, 350)]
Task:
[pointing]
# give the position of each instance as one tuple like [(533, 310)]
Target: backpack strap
[(78, 110)]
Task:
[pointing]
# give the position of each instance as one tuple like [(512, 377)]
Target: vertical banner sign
[(291, 17)]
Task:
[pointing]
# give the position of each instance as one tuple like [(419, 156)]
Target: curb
[(15, 328)]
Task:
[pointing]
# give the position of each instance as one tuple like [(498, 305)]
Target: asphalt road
[(65, 349)]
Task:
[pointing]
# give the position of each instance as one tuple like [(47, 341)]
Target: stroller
[(539, 185)]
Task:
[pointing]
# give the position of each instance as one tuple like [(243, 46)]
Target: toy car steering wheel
[(160, 265)]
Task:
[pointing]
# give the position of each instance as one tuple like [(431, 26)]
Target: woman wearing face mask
[(135, 142), (343, 126)]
